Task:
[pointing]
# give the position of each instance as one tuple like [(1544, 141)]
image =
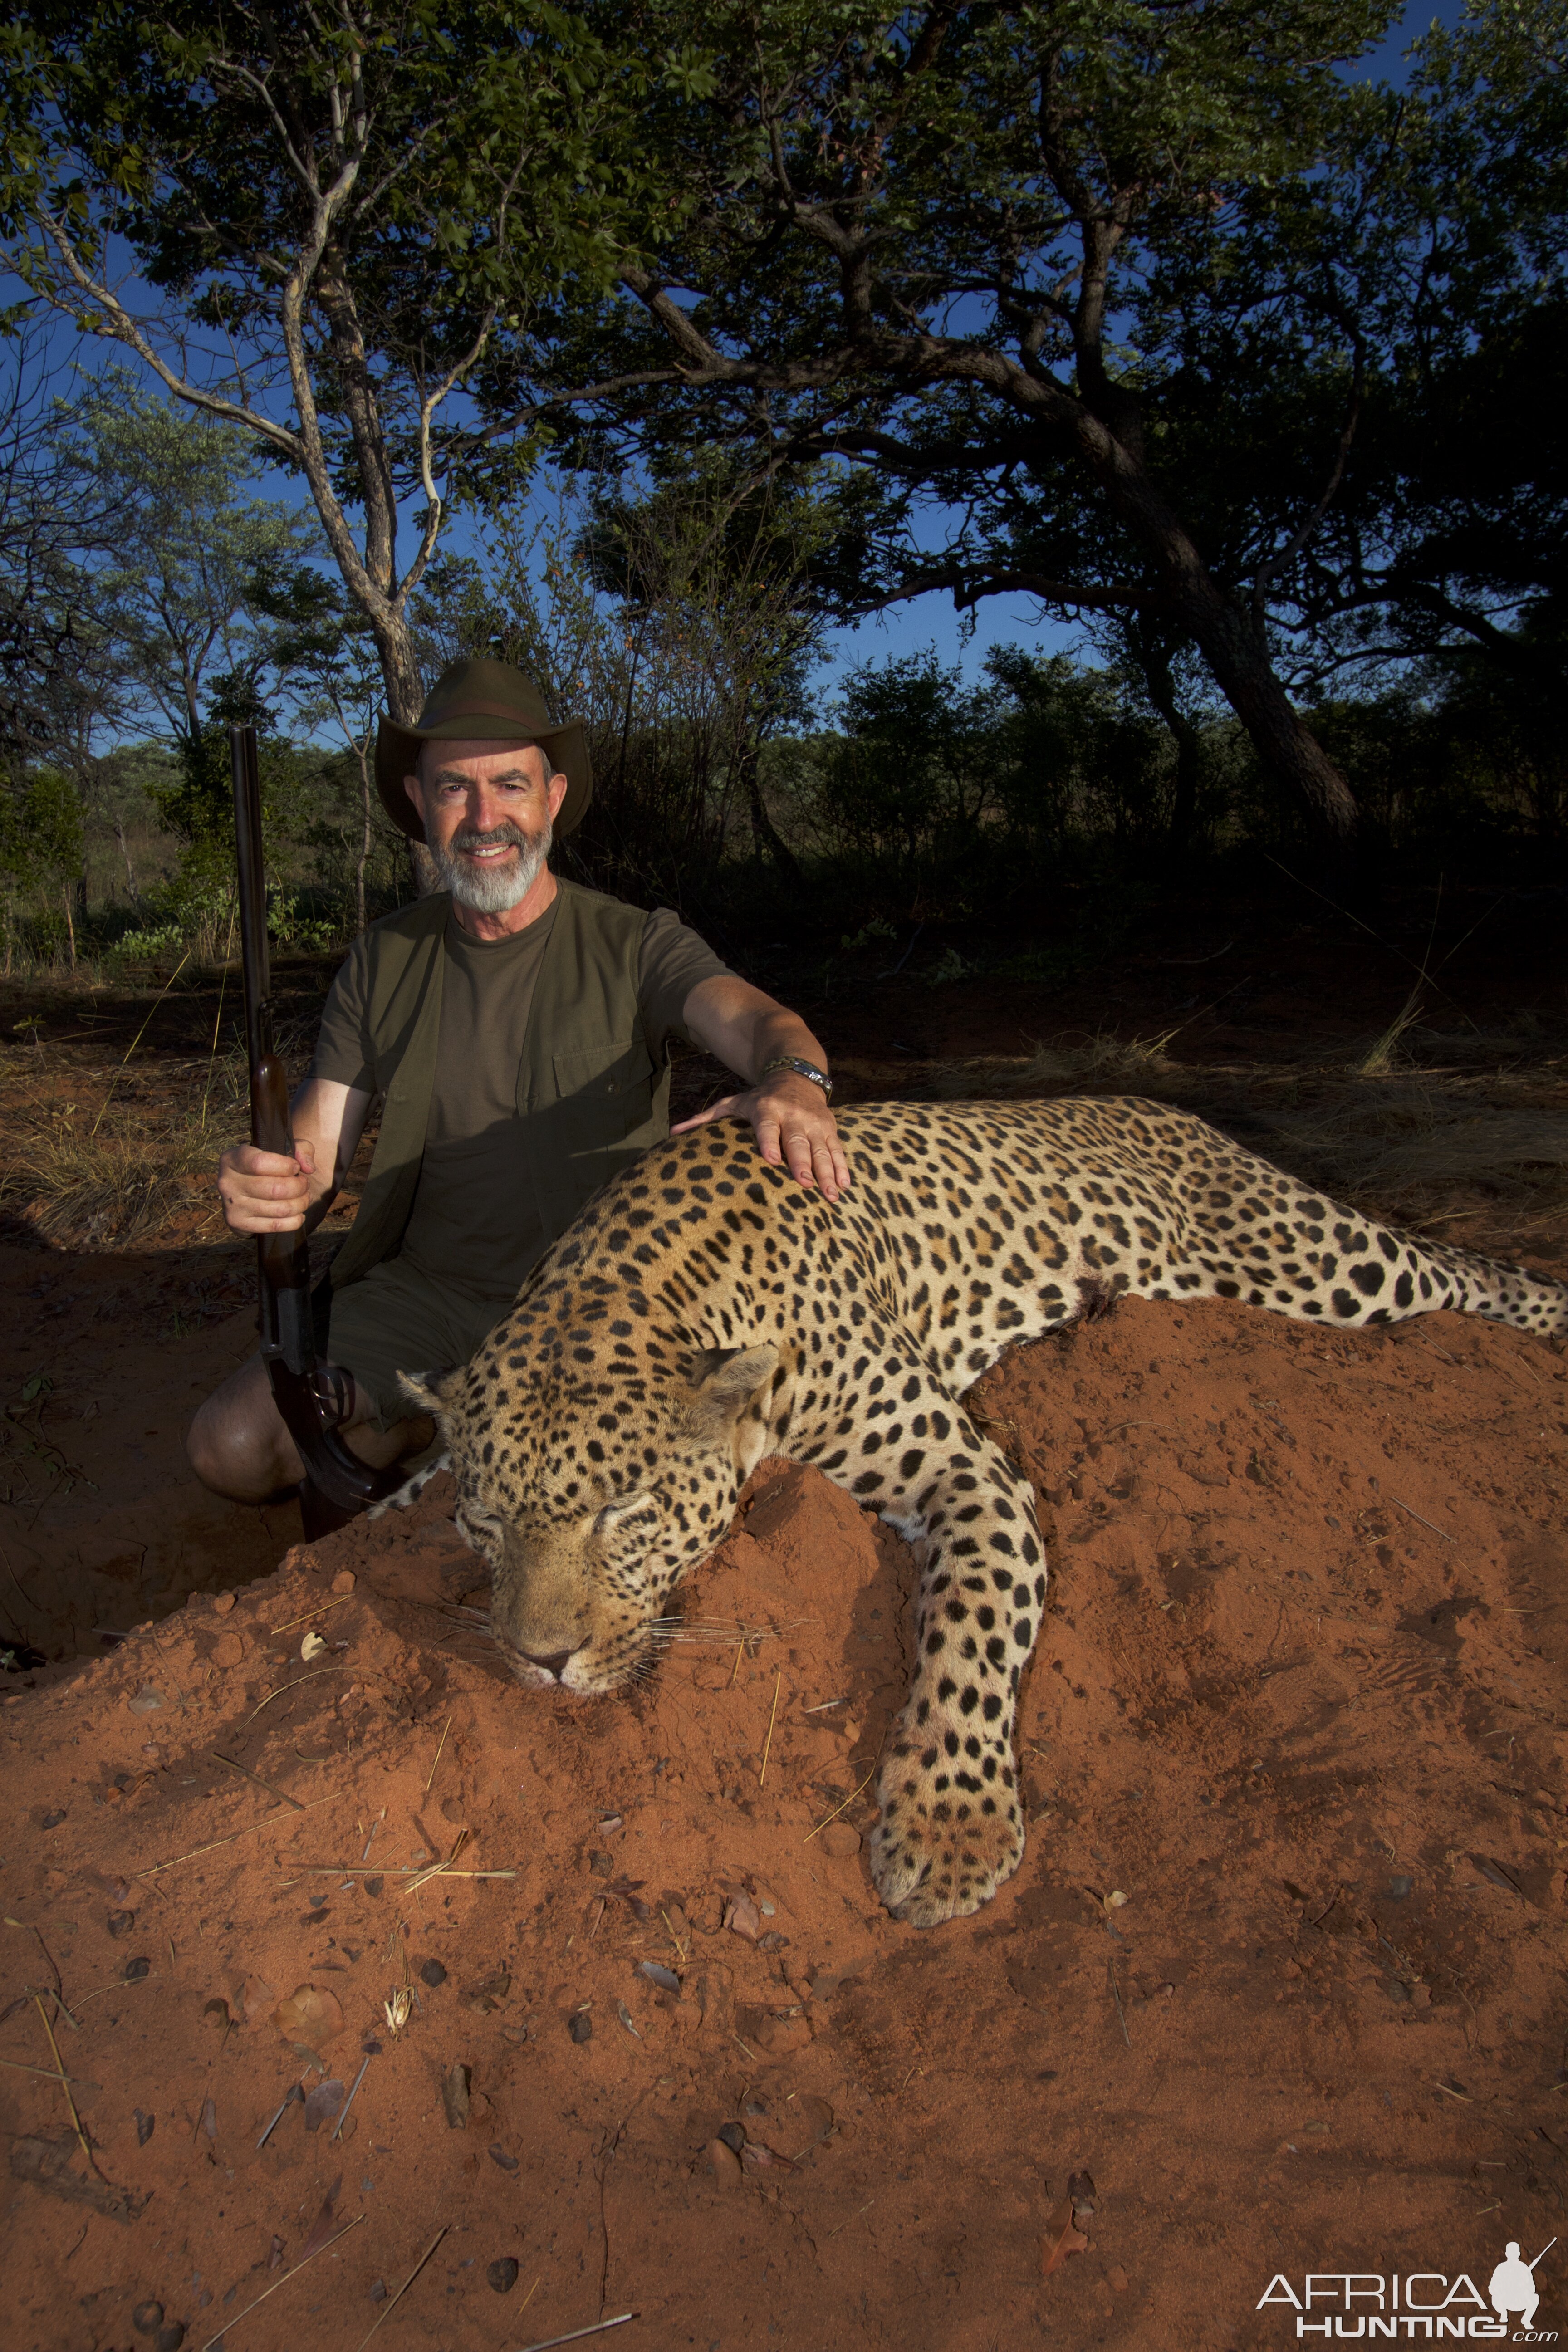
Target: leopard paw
[(940, 1856)]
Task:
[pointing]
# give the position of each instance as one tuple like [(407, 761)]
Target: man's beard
[(491, 890)]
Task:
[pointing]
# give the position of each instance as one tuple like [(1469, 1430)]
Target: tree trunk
[(765, 831), (1160, 688), (70, 927), (404, 697), (362, 748), (125, 860), (1224, 634)]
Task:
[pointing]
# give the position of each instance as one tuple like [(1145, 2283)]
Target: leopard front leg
[(952, 1825)]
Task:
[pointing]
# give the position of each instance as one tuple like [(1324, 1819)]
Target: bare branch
[(122, 328)]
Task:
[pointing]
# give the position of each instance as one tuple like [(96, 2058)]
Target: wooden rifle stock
[(312, 1397)]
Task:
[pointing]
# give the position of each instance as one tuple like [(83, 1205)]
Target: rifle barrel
[(336, 1483)]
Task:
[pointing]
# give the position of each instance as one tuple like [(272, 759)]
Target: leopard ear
[(725, 1379), (431, 1390)]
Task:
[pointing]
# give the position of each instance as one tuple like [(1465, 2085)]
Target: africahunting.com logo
[(1430, 2305)]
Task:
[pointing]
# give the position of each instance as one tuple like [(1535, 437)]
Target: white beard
[(492, 890)]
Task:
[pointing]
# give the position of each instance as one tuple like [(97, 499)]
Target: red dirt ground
[(1300, 1697)]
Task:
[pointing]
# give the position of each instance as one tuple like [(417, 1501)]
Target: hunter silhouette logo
[(1425, 2306), (1512, 2286)]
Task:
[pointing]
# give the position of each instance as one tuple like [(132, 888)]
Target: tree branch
[(970, 583), (123, 329)]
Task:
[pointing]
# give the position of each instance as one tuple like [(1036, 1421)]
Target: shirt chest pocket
[(605, 1093)]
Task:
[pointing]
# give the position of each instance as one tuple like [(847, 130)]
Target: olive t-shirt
[(472, 1224)]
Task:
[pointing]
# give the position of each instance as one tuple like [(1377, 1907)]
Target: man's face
[(488, 809)]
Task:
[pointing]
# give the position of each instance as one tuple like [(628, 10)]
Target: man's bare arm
[(790, 1116), (264, 1192)]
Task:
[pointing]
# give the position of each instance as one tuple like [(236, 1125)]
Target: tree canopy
[(340, 216)]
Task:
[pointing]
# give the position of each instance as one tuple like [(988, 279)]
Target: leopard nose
[(555, 1663)]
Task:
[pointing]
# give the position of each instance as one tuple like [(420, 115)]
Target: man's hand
[(263, 1191), (266, 1193), (793, 1128)]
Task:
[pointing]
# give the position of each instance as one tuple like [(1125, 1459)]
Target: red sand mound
[(1279, 1980)]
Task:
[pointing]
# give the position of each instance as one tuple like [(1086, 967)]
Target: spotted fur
[(705, 1310)]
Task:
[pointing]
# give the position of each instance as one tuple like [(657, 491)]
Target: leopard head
[(591, 1494)]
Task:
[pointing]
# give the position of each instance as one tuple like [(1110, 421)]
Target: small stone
[(138, 1969), (455, 2091), (1400, 1886), (229, 1650), (499, 2155), (209, 2117), (322, 2104), (343, 1582), (222, 1604), (840, 1840), (656, 1973), (147, 1701), (145, 2126), (378, 2290), (120, 1923), (743, 1918), (725, 2165), (502, 2274), (733, 2136), (581, 2027), (433, 1974), (601, 1865), (52, 1820), (373, 1886), (147, 2318), (170, 2339)]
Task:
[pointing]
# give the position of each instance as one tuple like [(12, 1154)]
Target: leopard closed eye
[(705, 1311)]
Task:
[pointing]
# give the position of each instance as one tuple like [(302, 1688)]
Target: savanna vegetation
[(650, 354)]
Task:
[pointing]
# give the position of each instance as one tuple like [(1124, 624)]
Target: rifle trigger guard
[(333, 1389)]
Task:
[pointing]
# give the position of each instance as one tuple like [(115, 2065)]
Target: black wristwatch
[(804, 1069)]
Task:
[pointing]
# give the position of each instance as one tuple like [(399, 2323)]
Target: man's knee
[(237, 1446)]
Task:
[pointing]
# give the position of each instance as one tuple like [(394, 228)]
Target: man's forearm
[(778, 1035), (746, 1029)]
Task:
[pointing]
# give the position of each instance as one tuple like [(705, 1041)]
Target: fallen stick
[(315, 1675), (348, 2103), (404, 2288), (439, 1868), (153, 1869), (65, 2085), (1425, 1521), (288, 1627), (577, 2334), (298, 2266), (768, 1742), (420, 1870), (833, 1816), (244, 1770)]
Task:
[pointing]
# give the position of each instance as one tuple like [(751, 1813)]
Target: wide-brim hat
[(481, 701)]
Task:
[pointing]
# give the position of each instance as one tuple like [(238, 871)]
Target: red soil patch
[(1317, 1743)]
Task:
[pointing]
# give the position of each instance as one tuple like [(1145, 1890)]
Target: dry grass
[(116, 1176)]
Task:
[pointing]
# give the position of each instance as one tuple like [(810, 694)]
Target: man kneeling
[(516, 1029)]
